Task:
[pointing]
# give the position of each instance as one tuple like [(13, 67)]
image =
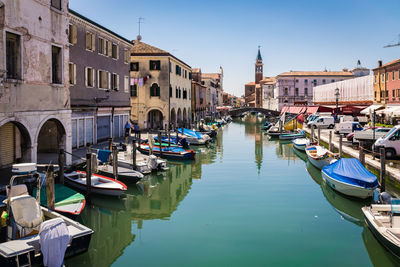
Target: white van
[(390, 142), (322, 122), (347, 127), (344, 118)]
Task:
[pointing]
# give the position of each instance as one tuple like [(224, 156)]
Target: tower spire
[(259, 54)]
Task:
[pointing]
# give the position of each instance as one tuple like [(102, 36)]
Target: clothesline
[(139, 81)]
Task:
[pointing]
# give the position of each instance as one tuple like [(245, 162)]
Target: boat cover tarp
[(103, 155), (191, 133), (351, 171), (63, 195)]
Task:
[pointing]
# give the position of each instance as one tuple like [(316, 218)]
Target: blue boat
[(193, 137), (266, 126), (350, 177), (290, 136), (172, 152)]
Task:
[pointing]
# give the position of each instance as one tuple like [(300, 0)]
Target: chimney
[(380, 63)]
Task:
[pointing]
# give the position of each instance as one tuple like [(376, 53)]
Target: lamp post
[(337, 94)]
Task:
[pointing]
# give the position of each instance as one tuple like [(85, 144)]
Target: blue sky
[(293, 34)]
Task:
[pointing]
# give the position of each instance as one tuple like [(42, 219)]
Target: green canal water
[(245, 201)]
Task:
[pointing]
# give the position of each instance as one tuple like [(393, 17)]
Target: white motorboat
[(99, 184), (348, 176), (320, 156), (301, 143)]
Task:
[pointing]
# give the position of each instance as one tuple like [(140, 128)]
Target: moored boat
[(301, 143), (350, 177), (124, 174), (290, 136), (384, 222), (99, 184), (320, 156), (193, 137), (175, 153)]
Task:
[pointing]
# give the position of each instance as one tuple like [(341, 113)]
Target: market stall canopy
[(312, 110), (371, 109), (388, 110)]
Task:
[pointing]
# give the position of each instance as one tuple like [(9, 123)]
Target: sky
[(293, 34)]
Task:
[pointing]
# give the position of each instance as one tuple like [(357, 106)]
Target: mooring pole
[(169, 138), (382, 172), (159, 142), (319, 135), (110, 142), (61, 164), (361, 155), (50, 188), (88, 174), (134, 154), (115, 162), (330, 141), (312, 134), (340, 145)]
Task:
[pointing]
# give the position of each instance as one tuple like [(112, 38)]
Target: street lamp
[(337, 94)]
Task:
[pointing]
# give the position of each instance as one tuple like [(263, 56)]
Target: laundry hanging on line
[(140, 82)]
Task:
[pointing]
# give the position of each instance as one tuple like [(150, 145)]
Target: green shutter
[(158, 91)]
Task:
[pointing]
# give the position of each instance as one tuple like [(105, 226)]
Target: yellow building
[(160, 86)]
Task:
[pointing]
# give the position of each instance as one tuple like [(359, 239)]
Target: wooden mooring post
[(312, 134), (169, 138), (176, 141), (330, 141), (361, 156), (50, 188), (110, 142), (319, 135), (382, 171), (340, 145), (159, 142), (61, 164), (115, 162), (134, 154), (88, 174)]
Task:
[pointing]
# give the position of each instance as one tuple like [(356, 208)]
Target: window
[(286, 91), (115, 51), (375, 94), (101, 46), (115, 82), (306, 91), (382, 77), (108, 51), (72, 73), (89, 77), (180, 93), (176, 92), (134, 66), (332, 81), (13, 56), (56, 65), (133, 90), (155, 65), (393, 93), (190, 75), (297, 81), (126, 84), (305, 82), (323, 81), (393, 75), (398, 92), (184, 94), (387, 93), (72, 34), (56, 4), (387, 76), (315, 82), (296, 91), (170, 91), (127, 56), (178, 70), (398, 74), (375, 78), (170, 66), (154, 90), (103, 79), (90, 41)]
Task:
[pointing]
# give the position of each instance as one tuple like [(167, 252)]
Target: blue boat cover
[(190, 133), (103, 155), (351, 171)]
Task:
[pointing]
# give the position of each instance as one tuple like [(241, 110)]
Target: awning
[(312, 110), (388, 110), (396, 111), (371, 109)]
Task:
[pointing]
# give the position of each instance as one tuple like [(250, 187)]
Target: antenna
[(140, 21), (395, 44)]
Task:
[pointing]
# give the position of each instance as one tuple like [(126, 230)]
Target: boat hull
[(124, 174), (301, 147), (369, 219), (347, 189), (169, 155)]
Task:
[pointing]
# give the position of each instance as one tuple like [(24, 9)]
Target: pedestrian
[(137, 130), (127, 128)]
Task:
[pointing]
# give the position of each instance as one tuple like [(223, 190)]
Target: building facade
[(270, 100), (199, 93), (386, 83), (99, 81), (296, 87), (253, 90), (161, 91), (211, 95), (35, 110)]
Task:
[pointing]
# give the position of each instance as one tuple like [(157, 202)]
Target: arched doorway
[(184, 117), (15, 144), (51, 138), (173, 117), (179, 118), (154, 119)]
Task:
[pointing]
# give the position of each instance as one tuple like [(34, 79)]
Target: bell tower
[(259, 67)]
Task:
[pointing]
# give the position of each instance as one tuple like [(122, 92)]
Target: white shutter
[(74, 73), (93, 78), (117, 51), (126, 84), (98, 79), (117, 82), (109, 80), (86, 76), (7, 144), (93, 42)]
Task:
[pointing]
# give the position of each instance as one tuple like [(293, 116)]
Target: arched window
[(154, 90)]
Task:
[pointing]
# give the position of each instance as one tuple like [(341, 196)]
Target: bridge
[(239, 111)]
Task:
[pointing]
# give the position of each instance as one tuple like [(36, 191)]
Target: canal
[(245, 201)]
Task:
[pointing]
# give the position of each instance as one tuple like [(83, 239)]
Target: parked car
[(390, 142), (368, 136), (350, 136), (347, 127), (322, 122)]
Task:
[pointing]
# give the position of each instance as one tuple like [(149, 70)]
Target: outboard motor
[(382, 198), (184, 143)]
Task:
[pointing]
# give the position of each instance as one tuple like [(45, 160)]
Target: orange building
[(387, 82)]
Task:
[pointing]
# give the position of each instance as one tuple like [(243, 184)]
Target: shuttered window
[(56, 4), (72, 74), (115, 51), (89, 77), (7, 144), (155, 65), (13, 56), (56, 65), (126, 84), (90, 41), (115, 82), (72, 34)]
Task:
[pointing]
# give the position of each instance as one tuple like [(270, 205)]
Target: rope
[(78, 157)]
